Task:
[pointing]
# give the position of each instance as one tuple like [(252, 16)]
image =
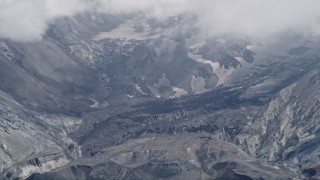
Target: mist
[(28, 20)]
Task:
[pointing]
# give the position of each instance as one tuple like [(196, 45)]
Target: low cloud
[(27, 20)]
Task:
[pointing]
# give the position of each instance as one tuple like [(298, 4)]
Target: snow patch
[(138, 88), (223, 74), (95, 103), (126, 32), (179, 92), (130, 96)]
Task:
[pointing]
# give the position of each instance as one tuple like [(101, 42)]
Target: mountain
[(106, 96)]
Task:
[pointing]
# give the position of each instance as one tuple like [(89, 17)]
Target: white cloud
[(255, 18), (260, 18), (27, 20)]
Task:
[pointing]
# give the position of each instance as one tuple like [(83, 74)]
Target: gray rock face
[(127, 97), (32, 142), (287, 124)]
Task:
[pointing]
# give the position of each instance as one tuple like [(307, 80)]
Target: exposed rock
[(128, 97)]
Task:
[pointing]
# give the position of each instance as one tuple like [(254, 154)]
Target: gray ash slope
[(124, 97)]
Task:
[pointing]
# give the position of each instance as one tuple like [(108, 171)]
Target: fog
[(28, 20)]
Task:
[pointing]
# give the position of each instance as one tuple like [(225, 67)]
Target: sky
[(28, 20)]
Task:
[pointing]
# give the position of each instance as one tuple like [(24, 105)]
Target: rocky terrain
[(128, 97)]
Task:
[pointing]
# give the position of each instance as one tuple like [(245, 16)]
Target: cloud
[(27, 20), (260, 18), (253, 18), (155, 8)]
